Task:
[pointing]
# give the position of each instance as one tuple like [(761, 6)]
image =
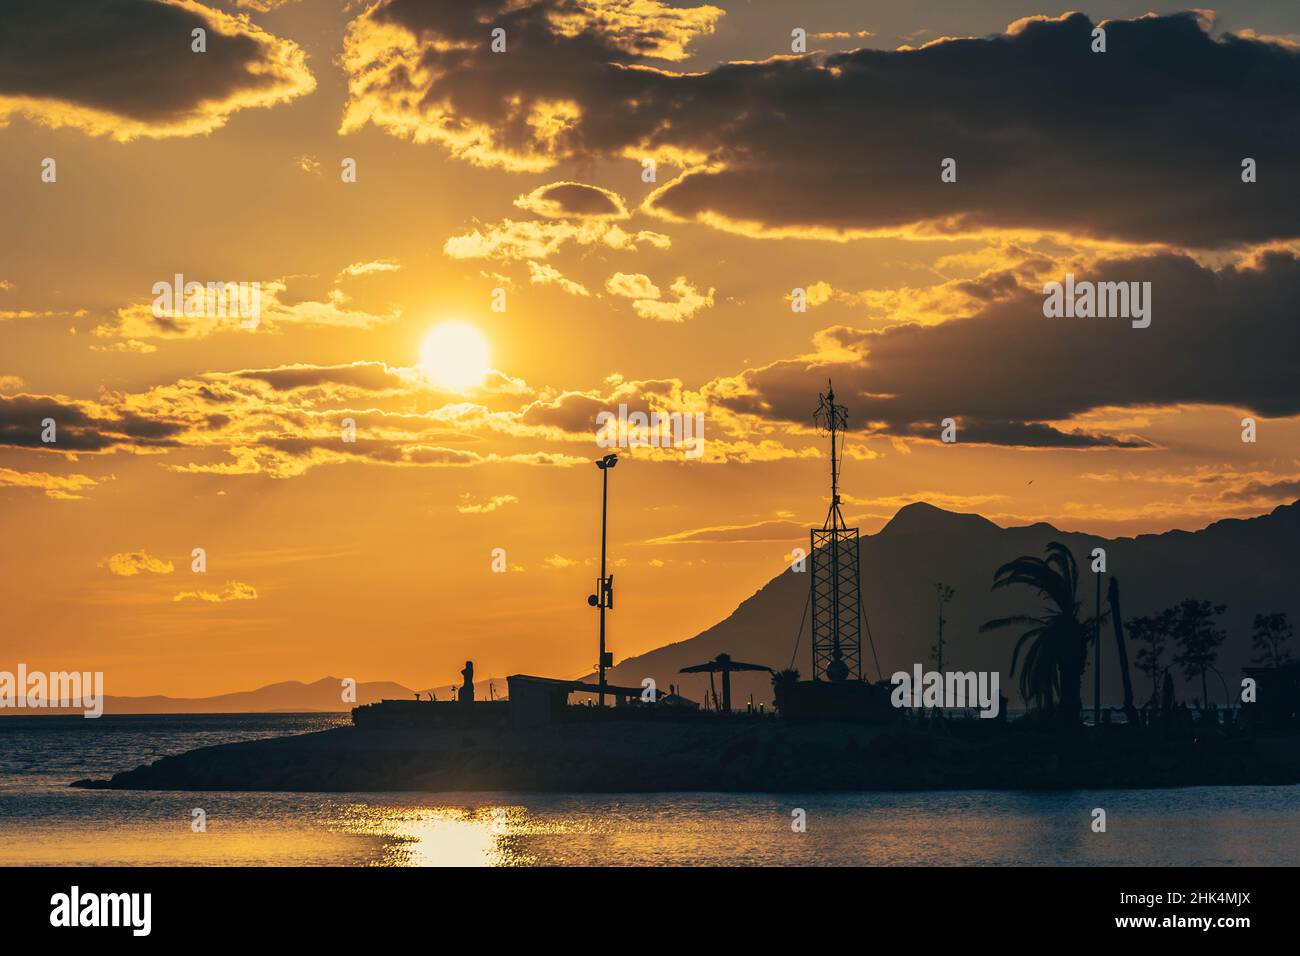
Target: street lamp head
[(609, 461)]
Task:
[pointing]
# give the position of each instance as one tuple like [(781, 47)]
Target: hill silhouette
[(284, 697), (1251, 565), (322, 696)]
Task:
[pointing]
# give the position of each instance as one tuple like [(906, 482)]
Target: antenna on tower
[(836, 580), (834, 419)]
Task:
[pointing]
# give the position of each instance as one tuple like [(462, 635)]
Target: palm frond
[(1016, 620)]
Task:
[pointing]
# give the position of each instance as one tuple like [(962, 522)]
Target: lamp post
[(1096, 659), (604, 596)]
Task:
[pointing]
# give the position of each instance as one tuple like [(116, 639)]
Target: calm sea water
[(43, 821)]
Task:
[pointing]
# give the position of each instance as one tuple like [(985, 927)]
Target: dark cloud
[(275, 422), (371, 376), (572, 412), (1022, 434), (578, 200), (576, 412), (126, 66), (78, 426), (1216, 337), (1143, 142), (1285, 489)]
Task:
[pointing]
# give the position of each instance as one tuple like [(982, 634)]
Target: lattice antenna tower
[(836, 582)]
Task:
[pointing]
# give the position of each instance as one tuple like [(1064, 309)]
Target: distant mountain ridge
[(285, 697), (1252, 565), (322, 696)]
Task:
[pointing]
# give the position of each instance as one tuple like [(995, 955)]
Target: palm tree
[(1055, 642)]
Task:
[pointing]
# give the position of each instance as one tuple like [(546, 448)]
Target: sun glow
[(455, 356)]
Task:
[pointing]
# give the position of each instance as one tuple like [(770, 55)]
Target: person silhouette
[(467, 689)]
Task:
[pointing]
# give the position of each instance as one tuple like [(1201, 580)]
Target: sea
[(43, 821)]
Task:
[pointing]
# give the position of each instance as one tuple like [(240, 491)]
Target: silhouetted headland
[(608, 752)]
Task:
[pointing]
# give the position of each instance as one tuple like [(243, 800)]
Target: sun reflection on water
[(443, 836)]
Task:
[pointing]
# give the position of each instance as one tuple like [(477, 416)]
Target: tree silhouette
[(1056, 641), (1152, 632), (1269, 635), (1198, 639)]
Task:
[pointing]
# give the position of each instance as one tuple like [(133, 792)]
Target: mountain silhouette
[(1251, 565), (285, 697), (323, 696)]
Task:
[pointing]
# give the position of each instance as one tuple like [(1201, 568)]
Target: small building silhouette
[(1277, 696), (536, 701)]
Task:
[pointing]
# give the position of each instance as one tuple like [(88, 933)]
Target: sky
[(473, 254)]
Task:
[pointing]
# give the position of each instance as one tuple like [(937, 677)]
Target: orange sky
[(373, 560)]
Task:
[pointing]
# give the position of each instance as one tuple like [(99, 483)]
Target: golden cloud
[(407, 70), (647, 301), (510, 240), (205, 309), (540, 273), (468, 506), (66, 487), (128, 564), (233, 591)]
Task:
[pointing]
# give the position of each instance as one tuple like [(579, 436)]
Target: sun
[(455, 356)]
